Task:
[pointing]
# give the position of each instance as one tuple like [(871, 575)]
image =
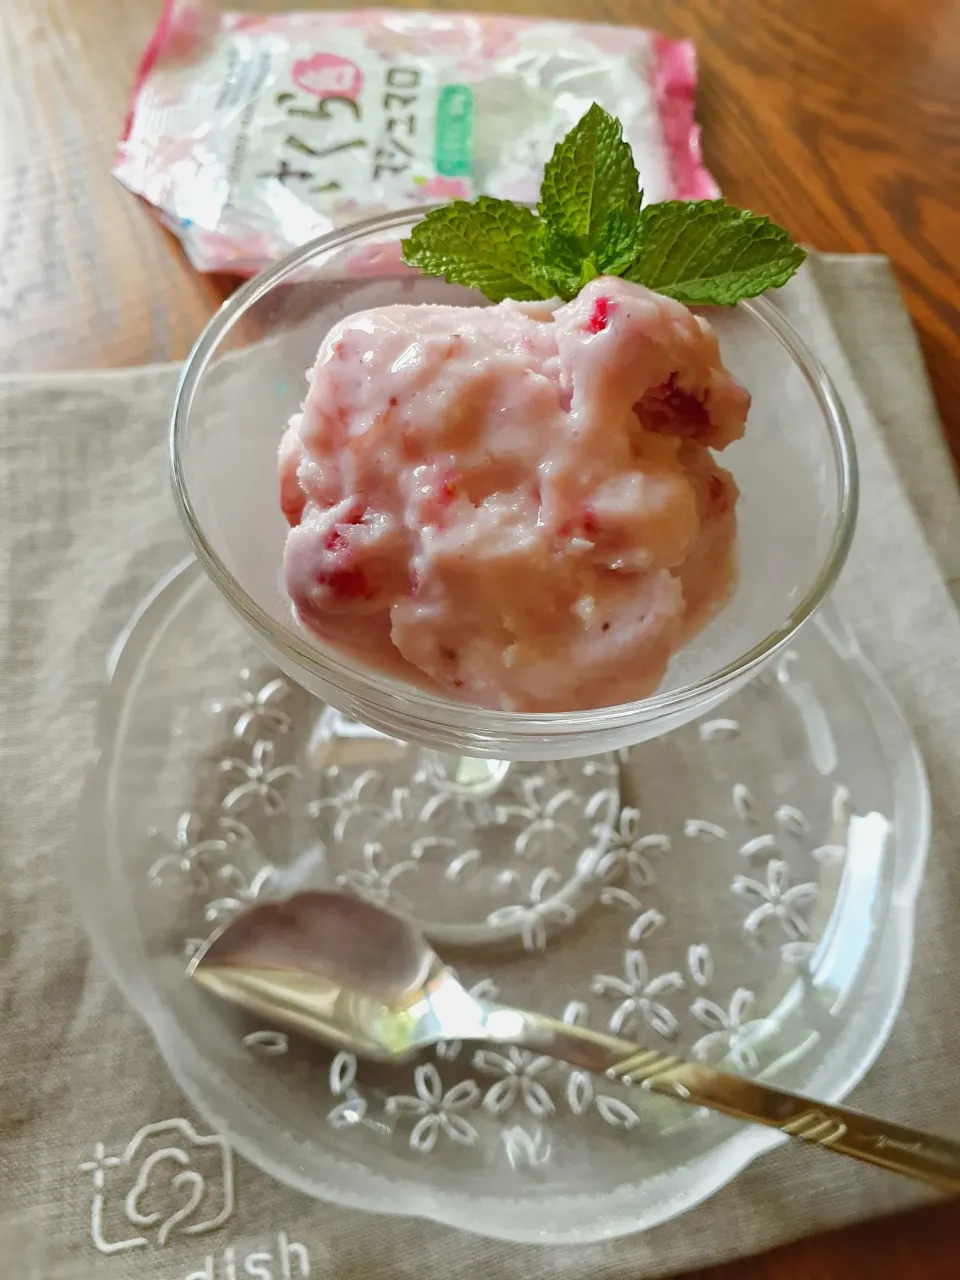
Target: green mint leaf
[(709, 252), (619, 243), (564, 264), (567, 268), (488, 244), (590, 176)]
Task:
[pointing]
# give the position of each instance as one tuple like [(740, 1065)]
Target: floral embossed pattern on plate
[(740, 890)]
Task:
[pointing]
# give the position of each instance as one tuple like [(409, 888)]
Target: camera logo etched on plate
[(168, 1180)]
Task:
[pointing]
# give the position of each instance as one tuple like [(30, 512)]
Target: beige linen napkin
[(87, 528)]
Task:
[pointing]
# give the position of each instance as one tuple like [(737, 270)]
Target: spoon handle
[(922, 1156)]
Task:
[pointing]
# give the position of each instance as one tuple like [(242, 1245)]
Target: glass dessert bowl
[(795, 469)]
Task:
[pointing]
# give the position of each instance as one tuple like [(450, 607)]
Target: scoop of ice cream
[(517, 503)]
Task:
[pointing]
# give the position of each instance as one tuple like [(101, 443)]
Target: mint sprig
[(710, 251), (490, 245), (590, 200), (590, 222)]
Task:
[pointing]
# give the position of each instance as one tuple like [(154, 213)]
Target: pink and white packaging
[(251, 134)]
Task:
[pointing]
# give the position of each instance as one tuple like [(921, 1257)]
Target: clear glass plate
[(742, 890)]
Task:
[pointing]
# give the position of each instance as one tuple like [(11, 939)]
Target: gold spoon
[(362, 978)]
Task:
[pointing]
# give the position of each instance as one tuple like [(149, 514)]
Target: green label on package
[(454, 135)]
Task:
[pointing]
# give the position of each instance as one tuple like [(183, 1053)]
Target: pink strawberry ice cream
[(517, 504)]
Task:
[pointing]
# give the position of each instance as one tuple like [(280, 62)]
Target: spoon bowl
[(330, 966)]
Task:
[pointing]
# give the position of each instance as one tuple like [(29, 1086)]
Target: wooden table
[(840, 118)]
